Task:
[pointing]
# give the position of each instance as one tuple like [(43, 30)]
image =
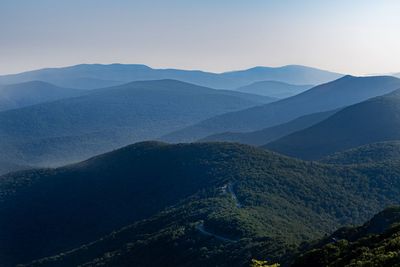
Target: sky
[(348, 36)]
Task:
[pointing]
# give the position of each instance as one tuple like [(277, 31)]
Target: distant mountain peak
[(347, 76), (87, 65)]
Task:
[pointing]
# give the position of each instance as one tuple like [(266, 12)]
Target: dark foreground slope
[(337, 94), (47, 210), (375, 244), (73, 129), (374, 120), (228, 204)]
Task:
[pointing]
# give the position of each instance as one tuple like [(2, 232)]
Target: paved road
[(228, 189), (233, 194), (202, 230)]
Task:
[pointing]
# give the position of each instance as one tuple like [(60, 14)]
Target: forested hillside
[(375, 244), (227, 204), (366, 154)]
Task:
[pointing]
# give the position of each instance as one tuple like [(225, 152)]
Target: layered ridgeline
[(366, 154), (274, 89), (374, 120), (374, 244), (228, 203), (6, 166), (89, 76), (30, 93), (75, 128), (337, 94), (270, 134)]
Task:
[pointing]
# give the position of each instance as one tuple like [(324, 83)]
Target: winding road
[(233, 194), (226, 189), (202, 230)]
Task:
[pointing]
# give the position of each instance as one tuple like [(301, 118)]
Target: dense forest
[(225, 205), (375, 244)]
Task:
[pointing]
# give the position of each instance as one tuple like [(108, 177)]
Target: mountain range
[(297, 168), (72, 129), (91, 76), (270, 134), (204, 204), (371, 121), (333, 95)]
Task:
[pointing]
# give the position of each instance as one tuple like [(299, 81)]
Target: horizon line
[(177, 68), (202, 70)]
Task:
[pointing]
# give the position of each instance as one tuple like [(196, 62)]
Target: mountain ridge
[(121, 73), (267, 135), (342, 92), (30, 93), (274, 89), (71, 129), (374, 120)]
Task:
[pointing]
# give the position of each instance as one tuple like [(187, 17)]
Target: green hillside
[(374, 120), (375, 244), (370, 153), (228, 203)]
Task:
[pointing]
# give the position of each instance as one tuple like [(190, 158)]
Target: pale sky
[(347, 36)]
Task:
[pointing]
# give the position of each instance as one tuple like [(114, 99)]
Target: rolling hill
[(274, 89), (375, 244), (73, 129), (333, 95), (366, 154), (89, 76), (30, 93), (267, 135), (371, 121), (225, 204)]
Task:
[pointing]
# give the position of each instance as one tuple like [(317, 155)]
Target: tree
[(258, 263)]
